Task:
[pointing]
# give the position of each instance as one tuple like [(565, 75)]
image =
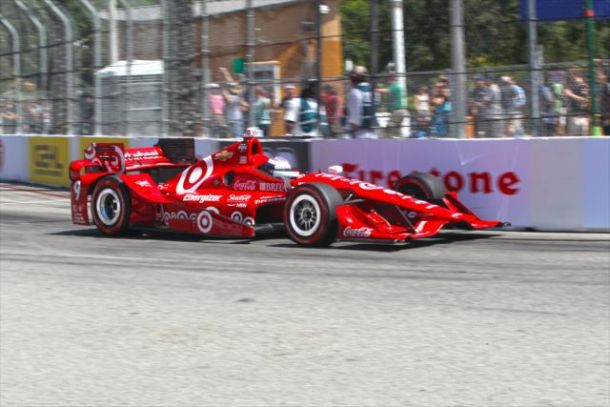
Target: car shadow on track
[(148, 235), (443, 238)]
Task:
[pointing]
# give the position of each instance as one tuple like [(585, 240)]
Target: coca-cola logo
[(192, 177), (245, 185), (359, 232)]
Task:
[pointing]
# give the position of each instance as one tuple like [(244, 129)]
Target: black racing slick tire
[(310, 214), (423, 186), (111, 206)]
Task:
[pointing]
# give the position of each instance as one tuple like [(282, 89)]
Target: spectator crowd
[(498, 106)]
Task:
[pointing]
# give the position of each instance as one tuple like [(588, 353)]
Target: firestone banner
[(520, 181)]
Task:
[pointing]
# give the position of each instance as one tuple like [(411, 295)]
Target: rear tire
[(310, 214), (111, 206), (422, 186)]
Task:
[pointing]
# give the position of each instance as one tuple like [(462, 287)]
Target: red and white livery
[(240, 192)]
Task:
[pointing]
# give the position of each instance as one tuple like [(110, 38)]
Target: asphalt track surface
[(499, 318)]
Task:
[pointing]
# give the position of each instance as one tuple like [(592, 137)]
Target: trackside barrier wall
[(550, 184), (547, 184)]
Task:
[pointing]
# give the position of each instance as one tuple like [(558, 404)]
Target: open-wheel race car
[(240, 192)]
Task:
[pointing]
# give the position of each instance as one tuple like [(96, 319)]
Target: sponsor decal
[(239, 218), (243, 159), (173, 215), (270, 199), (49, 160), (111, 162), (271, 187), (474, 182), (245, 185), (242, 148), (223, 155), (141, 155), (201, 198), (76, 189), (193, 176), (360, 232), (239, 198), (204, 221), (143, 183)]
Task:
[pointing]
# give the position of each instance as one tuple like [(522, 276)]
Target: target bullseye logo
[(204, 221), (192, 177)]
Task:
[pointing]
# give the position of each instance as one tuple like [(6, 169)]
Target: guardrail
[(549, 184)]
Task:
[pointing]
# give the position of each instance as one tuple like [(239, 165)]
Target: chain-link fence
[(213, 67)]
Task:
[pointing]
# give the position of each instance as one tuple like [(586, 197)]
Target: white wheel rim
[(305, 215), (108, 206)]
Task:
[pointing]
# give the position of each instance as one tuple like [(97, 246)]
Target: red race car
[(240, 192)]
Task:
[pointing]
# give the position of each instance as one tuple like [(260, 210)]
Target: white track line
[(31, 202)]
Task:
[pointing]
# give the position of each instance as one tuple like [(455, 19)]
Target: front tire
[(310, 214), (422, 186), (111, 206)]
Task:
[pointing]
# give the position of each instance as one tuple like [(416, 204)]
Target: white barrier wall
[(552, 184), (14, 158)]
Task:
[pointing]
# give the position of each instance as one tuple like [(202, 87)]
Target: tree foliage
[(494, 34)]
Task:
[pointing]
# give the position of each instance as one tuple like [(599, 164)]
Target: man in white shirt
[(290, 104), (360, 114)]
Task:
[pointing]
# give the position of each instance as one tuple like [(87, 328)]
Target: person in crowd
[(216, 104), (513, 102), (441, 87), (395, 105), (577, 96), (332, 106), (546, 111), (604, 98), (290, 104), (359, 105), (262, 110), (32, 110), (559, 108), (442, 110), (87, 114), (8, 117), (309, 124), (494, 111), (234, 109), (480, 101), (423, 116)]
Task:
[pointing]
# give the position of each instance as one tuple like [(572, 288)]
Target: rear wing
[(109, 156)]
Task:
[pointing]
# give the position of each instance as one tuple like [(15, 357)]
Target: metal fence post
[(532, 39), (318, 61), (165, 113), (129, 51), (458, 64), (97, 62), (374, 10), (205, 61), (69, 40), (16, 52), (251, 43), (42, 44)]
